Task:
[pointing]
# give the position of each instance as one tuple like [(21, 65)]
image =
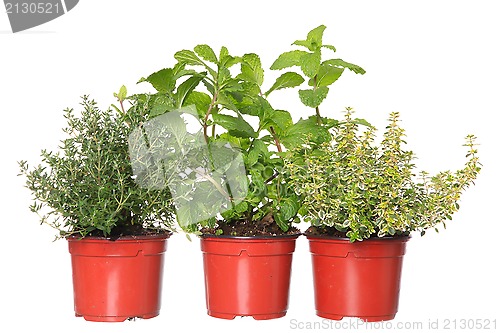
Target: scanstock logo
[(26, 14)]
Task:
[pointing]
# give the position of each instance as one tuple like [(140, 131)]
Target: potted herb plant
[(363, 201), (116, 231), (244, 218)]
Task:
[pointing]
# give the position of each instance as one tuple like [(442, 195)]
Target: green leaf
[(226, 60), (287, 80), (235, 126), (289, 208), (185, 88), (160, 104), (206, 53), (241, 207), (288, 59), (280, 221), (251, 69), (163, 80), (344, 64), (326, 76), (331, 47), (314, 39), (188, 57), (310, 63), (313, 98), (304, 129), (363, 122), (200, 100), (122, 94), (279, 119)]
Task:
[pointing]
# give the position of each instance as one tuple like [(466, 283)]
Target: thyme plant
[(362, 190), (87, 187)]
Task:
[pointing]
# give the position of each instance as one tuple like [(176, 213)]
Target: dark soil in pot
[(245, 228)]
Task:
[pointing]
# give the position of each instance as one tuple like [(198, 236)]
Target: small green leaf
[(314, 39), (289, 207), (226, 60), (344, 64), (331, 47), (200, 100), (304, 129), (310, 63), (280, 221), (122, 94), (206, 53), (251, 69), (185, 88), (163, 80), (287, 80), (235, 126), (188, 57), (288, 59), (313, 98), (160, 104), (326, 76), (280, 120), (241, 207)]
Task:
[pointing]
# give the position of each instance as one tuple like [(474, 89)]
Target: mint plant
[(354, 188), (321, 73), (87, 188), (227, 94)]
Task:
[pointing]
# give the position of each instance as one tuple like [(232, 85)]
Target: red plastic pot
[(360, 279), (247, 276), (117, 280)]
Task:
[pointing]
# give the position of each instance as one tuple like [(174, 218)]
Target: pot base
[(115, 319), (365, 319), (231, 316)]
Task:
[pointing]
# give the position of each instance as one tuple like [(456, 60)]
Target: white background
[(436, 62)]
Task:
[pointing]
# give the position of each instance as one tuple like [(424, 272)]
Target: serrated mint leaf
[(188, 57), (251, 69), (280, 120), (287, 80), (163, 80), (236, 126), (185, 88), (326, 75), (313, 98), (200, 100), (314, 40), (310, 63), (304, 129), (344, 64), (331, 47), (289, 208), (206, 53), (288, 59)]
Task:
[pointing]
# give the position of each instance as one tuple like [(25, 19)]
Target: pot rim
[(266, 237), (374, 239), (159, 236)]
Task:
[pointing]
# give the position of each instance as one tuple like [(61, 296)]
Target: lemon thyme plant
[(356, 189), (86, 188)]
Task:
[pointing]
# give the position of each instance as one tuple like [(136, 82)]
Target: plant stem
[(209, 111), (276, 140), (318, 116)]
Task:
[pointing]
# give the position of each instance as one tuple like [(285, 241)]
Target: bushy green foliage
[(227, 92), (367, 190), (88, 185)]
